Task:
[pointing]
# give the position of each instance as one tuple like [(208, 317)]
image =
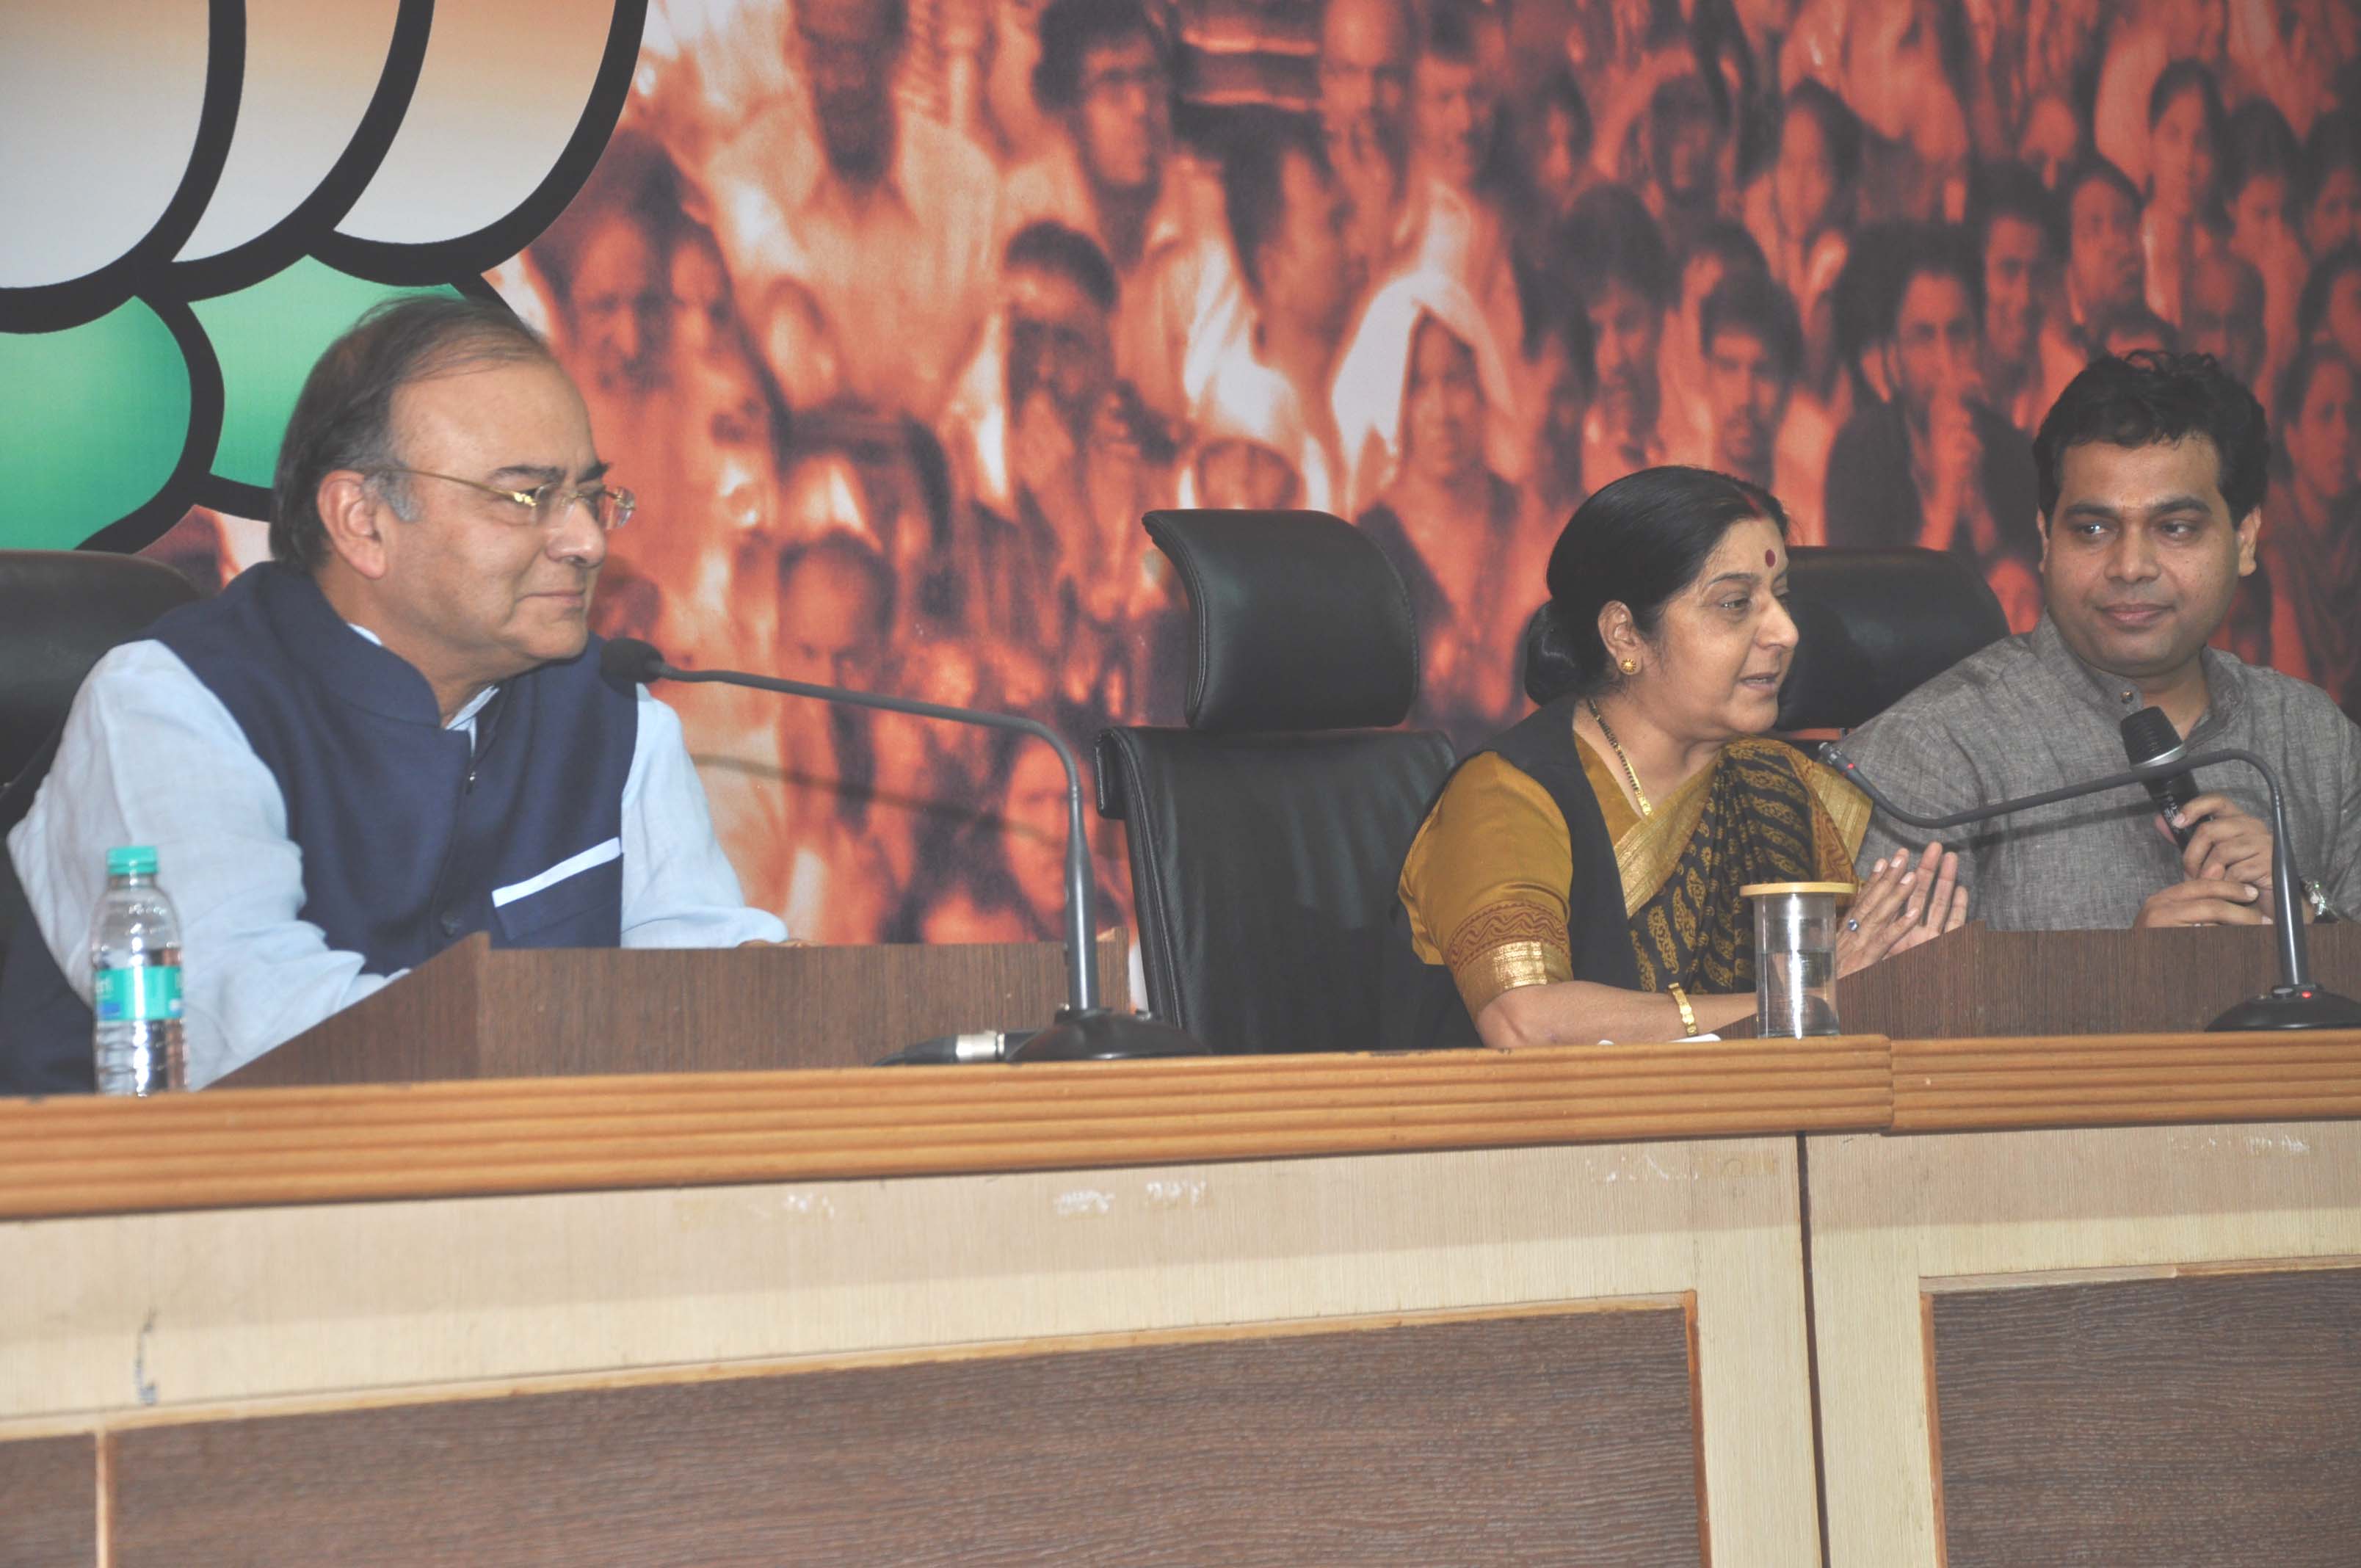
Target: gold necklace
[(1628, 771)]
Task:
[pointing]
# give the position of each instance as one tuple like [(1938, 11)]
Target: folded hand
[(2205, 902), (1900, 905)]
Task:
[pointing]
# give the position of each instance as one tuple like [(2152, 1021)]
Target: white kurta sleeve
[(679, 890), (149, 755)]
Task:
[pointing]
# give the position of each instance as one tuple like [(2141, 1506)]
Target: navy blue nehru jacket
[(406, 828)]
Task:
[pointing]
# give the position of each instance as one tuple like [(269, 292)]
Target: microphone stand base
[(2291, 1008), (1101, 1035)]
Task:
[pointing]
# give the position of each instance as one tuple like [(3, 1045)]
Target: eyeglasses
[(549, 503)]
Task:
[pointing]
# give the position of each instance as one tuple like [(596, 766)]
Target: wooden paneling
[(49, 1502), (1895, 1218), (87, 1155), (1981, 983), (2195, 1420), (126, 1320), (1515, 1438), (2114, 1080), (213, 1150), (327, 1144), (477, 1011)]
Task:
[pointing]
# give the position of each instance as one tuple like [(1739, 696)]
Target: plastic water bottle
[(135, 962)]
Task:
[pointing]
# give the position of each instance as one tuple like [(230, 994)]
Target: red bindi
[(1770, 557)]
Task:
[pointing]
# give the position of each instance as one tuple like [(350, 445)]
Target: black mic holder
[(2296, 1002), (1084, 1029)]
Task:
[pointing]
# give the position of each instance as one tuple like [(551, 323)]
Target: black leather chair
[(1266, 838), (1875, 625), (59, 611)]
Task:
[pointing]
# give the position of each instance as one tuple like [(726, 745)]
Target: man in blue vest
[(391, 736)]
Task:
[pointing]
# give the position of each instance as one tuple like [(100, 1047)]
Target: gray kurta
[(2025, 715)]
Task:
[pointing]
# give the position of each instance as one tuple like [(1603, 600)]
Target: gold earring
[(1630, 667)]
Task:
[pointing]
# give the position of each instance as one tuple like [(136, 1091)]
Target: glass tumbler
[(1796, 957)]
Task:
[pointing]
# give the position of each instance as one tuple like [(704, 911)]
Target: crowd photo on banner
[(898, 314)]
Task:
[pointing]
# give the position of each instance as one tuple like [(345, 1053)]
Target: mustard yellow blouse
[(1485, 882)]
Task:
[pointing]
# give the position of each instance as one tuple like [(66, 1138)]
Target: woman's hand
[(1900, 907)]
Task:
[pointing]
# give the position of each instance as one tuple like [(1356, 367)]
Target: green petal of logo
[(98, 420), (265, 340)]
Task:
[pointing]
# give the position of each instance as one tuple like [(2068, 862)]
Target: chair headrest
[(59, 611), (1874, 626), (1297, 621)]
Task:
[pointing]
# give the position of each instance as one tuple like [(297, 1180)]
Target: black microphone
[(2150, 737), (627, 661), (1084, 1030), (2296, 1002)]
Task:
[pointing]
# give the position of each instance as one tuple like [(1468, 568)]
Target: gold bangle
[(1681, 1000)]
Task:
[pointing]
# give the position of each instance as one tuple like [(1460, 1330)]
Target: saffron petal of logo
[(312, 74), (207, 211), (100, 133), (512, 75)]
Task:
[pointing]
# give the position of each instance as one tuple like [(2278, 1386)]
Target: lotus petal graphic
[(189, 218)]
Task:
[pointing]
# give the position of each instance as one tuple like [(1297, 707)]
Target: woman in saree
[(1577, 879)]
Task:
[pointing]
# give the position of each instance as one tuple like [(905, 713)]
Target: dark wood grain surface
[(1557, 1437), (475, 1011), (1977, 984), (2201, 1419), (49, 1502)]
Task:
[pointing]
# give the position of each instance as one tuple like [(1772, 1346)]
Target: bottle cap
[(132, 860)]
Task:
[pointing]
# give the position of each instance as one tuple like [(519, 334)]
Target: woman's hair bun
[(1558, 657)]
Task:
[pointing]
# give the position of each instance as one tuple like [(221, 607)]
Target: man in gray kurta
[(2152, 471)]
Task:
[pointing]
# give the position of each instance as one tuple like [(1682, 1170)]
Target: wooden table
[(2096, 1299), (1458, 1306)]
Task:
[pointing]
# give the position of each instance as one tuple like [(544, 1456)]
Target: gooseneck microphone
[(2296, 1002), (1084, 1029), (2150, 737)]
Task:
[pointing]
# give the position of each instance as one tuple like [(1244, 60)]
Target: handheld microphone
[(2296, 1002), (2150, 737), (1084, 1029)]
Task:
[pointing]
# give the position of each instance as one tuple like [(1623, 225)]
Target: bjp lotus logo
[(198, 196)]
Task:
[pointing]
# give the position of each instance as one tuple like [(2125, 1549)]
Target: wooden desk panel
[(2208, 1419), (322, 1307), (475, 1011), (1509, 1436), (2096, 1081), (1978, 981), (1898, 1223), (49, 1502), (213, 1258), (87, 1155)]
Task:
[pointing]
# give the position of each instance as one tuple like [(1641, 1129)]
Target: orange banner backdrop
[(899, 313)]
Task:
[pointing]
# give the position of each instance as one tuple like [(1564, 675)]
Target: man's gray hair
[(343, 417)]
